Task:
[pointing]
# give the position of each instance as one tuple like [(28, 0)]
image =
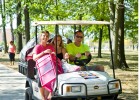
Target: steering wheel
[(82, 62)]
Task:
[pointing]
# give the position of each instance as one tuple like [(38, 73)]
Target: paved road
[(12, 84)]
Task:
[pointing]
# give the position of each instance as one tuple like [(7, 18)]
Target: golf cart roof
[(71, 22)]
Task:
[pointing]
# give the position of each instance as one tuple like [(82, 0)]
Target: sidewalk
[(12, 84)]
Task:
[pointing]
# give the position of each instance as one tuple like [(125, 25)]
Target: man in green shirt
[(76, 48)]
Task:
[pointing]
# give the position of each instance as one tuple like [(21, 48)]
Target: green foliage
[(20, 29), (74, 10), (131, 20), (1, 43)]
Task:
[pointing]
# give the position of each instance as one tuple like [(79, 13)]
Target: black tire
[(115, 97), (64, 99), (112, 97), (28, 94)]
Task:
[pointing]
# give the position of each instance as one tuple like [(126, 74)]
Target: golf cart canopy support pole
[(36, 34), (56, 68), (110, 42)]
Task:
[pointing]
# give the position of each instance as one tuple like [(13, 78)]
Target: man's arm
[(71, 58)]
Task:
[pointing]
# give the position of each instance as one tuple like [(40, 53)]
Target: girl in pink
[(40, 50), (11, 52)]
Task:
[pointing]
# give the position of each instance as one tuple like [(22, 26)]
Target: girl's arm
[(36, 56), (65, 54)]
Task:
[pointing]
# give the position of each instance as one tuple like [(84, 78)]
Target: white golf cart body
[(81, 84), (72, 85), (88, 83)]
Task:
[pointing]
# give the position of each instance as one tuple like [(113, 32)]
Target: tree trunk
[(116, 61), (11, 25), (19, 34), (56, 26), (80, 18), (74, 28), (114, 36), (4, 35), (100, 43), (122, 61), (3, 25), (27, 24), (133, 47)]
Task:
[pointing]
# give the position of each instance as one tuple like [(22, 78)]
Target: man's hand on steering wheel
[(78, 55), (87, 53), (82, 62)]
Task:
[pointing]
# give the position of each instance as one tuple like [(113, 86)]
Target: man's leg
[(99, 68), (96, 68)]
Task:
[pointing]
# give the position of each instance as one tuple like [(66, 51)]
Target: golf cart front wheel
[(111, 97), (115, 97), (28, 94)]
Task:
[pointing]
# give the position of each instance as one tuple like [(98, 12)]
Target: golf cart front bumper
[(82, 90)]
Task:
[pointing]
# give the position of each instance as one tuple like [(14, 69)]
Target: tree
[(27, 23), (56, 26), (10, 12), (131, 21), (19, 33), (11, 25), (83, 10), (120, 31), (100, 42), (117, 28), (2, 5), (113, 31)]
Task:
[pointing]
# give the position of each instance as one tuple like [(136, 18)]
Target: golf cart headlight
[(73, 89), (114, 85), (68, 89), (76, 89)]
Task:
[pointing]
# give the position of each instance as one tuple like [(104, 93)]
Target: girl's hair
[(54, 39), (11, 42), (46, 32)]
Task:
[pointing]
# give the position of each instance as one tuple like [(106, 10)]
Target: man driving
[(78, 50)]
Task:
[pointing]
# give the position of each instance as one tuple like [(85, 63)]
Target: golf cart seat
[(31, 69), (31, 64)]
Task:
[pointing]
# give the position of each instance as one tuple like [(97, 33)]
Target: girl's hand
[(66, 56), (48, 51)]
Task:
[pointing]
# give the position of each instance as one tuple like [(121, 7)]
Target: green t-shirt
[(72, 49)]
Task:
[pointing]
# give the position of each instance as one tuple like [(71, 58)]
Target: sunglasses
[(79, 37)]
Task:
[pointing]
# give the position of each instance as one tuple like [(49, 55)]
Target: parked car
[(1, 48)]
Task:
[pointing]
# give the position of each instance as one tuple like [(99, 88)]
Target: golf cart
[(84, 85)]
